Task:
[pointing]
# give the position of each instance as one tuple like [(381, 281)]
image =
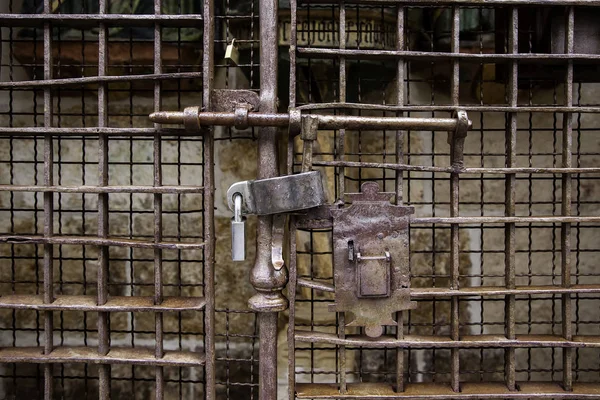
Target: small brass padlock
[(232, 53)]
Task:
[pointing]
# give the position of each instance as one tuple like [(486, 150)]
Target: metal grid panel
[(493, 266), (468, 335), (108, 245)]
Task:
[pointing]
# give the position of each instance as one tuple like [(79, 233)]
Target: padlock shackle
[(237, 207)]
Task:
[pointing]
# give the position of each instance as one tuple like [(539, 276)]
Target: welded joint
[(456, 139)]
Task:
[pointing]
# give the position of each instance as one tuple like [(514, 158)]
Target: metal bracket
[(228, 100), (278, 195), (456, 139)]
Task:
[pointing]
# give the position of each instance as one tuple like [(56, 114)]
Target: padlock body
[(238, 240)]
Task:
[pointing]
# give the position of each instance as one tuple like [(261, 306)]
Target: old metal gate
[(421, 178)]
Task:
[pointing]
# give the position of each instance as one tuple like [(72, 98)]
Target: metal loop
[(295, 122), (191, 120), (240, 119), (237, 207)]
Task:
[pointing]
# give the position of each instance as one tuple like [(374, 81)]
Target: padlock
[(238, 233), (232, 53)]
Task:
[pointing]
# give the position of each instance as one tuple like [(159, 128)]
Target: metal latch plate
[(371, 259)]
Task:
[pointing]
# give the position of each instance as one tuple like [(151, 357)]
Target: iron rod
[(208, 181), (475, 291), (454, 208), (533, 58), (567, 149), (102, 241), (400, 135), (86, 80), (114, 303), (481, 3), (114, 132), (510, 196), (103, 189), (450, 108), (292, 288), (439, 391), (89, 355), (341, 142), (95, 20), (446, 342), (272, 119), (104, 370), (48, 206), (157, 207), (267, 281)]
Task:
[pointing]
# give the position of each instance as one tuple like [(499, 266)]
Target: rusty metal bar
[(89, 355), (341, 143), (481, 3), (531, 58), (419, 391), (267, 281), (503, 220), (118, 132), (476, 291), (502, 291), (446, 342), (208, 181), (293, 261), (425, 168), (103, 208), (113, 304), (321, 224), (567, 148), (86, 80), (87, 21), (450, 108), (292, 51), (103, 189), (102, 241), (293, 282), (157, 207), (454, 207), (400, 136), (48, 207), (510, 195)]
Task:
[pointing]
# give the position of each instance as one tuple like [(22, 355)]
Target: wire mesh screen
[(103, 274), (502, 257)]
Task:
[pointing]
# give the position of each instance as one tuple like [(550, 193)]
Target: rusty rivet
[(374, 331), (380, 235), (395, 234)]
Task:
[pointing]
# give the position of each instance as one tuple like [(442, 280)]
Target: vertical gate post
[(209, 199), (267, 281)]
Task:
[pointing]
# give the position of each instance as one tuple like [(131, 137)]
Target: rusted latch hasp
[(192, 116), (282, 194)]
